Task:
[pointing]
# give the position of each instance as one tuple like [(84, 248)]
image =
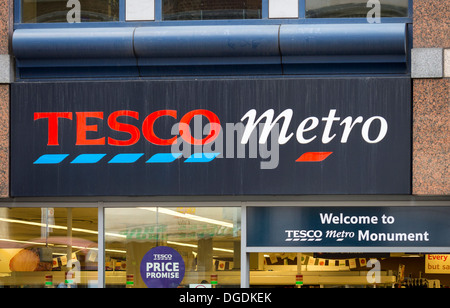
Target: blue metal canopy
[(220, 50)]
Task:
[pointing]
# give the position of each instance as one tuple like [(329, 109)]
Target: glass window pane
[(48, 247), (343, 270), (211, 9), (207, 239), (354, 8), (44, 11)]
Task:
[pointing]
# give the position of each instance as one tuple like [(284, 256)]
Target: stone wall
[(431, 97)]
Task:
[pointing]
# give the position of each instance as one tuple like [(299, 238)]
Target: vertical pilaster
[(431, 93), (6, 77)]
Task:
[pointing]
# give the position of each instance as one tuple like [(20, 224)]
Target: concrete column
[(205, 255)]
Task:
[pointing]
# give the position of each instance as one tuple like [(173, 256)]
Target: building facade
[(160, 143)]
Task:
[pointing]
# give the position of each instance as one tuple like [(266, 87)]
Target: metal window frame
[(245, 251), (159, 22), (243, 205), (245, 273)]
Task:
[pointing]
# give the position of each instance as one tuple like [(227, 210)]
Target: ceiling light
[(188, 216)]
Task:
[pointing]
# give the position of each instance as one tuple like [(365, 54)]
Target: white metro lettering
[(349, 123)]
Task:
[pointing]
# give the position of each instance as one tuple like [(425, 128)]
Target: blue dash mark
[(202, 157), (125, 158), (88, 158), (163, 158), (49, 159)]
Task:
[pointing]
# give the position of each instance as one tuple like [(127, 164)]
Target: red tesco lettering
[(115, 122)]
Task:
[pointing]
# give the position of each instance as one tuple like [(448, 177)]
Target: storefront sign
[(437, 264), (212, 137), (162, 267), (348, 227)]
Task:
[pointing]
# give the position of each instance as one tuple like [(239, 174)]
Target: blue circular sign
[(162, 267)]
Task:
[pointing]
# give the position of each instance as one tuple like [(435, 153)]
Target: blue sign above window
[(348, 227)]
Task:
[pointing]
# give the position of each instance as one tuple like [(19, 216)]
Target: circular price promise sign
[(162, 267)]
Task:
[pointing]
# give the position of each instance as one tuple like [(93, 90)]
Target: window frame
[(245, 252), (18, 24)]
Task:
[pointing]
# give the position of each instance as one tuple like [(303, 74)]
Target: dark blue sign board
[(250, 136), (348, 227)]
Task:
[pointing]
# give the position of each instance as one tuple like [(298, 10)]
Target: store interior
[(343, 270)]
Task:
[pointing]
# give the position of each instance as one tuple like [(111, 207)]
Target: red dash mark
[(314, 157)]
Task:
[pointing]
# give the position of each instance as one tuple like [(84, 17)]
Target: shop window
[(48, 248), (84, 11), (71, 11), (355, 8), (201, 246), (346, 270), (211, 9)]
